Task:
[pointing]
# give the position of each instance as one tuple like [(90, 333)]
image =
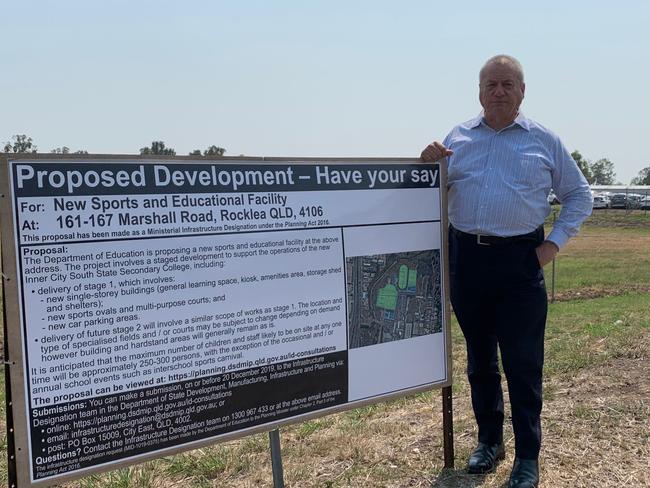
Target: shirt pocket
[(531, 172)]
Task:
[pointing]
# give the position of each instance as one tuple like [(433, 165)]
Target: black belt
[(486, 240)]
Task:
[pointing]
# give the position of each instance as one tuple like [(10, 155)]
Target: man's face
[(501, 92)]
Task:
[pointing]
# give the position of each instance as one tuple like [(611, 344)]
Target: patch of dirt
[(605, 414), (619, 219), (631, 224), (586, 241), (589, 292)]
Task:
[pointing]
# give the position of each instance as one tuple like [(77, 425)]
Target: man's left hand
[(546, 252)]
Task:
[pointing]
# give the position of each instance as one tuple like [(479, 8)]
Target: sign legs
[(448, 427), (276, 459), (12, 472), (448, 440)]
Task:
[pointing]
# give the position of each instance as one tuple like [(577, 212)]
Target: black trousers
[(499, 297)]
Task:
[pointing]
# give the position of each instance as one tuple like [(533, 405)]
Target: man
[(502, 166)]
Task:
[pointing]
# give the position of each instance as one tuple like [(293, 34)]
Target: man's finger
[(444, 152), (435, 152), (429, 154)]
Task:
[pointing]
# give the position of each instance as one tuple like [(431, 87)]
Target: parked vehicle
[(552, 199), (619, 200), (623, 200), (645, 203), (601, 201), (634, 200)]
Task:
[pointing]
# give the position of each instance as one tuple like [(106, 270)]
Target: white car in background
[(601, 201), (645, 203)]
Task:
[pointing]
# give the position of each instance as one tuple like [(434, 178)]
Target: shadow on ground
[(458, 478)]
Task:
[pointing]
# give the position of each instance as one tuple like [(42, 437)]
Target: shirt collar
[(520, 120)]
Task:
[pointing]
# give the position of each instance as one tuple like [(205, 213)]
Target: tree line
[(599, 172), (20, 143)]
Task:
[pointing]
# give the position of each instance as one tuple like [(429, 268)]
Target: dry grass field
[(596, 416)]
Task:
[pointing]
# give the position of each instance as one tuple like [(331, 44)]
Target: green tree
[(583, 164), (158, 147), (21, 144), (214, 151), (66, 150), (210, 151), (603, 171), (643, 178)]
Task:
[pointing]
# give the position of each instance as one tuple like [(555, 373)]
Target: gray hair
[(503, 59)]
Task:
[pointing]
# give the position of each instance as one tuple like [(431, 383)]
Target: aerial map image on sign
[(393, 296)]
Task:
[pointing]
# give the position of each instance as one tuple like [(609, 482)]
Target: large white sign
[(166, 304)]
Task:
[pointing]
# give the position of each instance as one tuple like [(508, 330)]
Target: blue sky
[(318, 78)]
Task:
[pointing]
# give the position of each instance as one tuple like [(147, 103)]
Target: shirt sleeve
[(573, 192)]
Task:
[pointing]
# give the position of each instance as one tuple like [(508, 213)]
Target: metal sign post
[(276, 459), (12, 476), (448, 427)]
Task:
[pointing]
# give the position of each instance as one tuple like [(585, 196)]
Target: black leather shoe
[(525, 474), (484, 458)]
